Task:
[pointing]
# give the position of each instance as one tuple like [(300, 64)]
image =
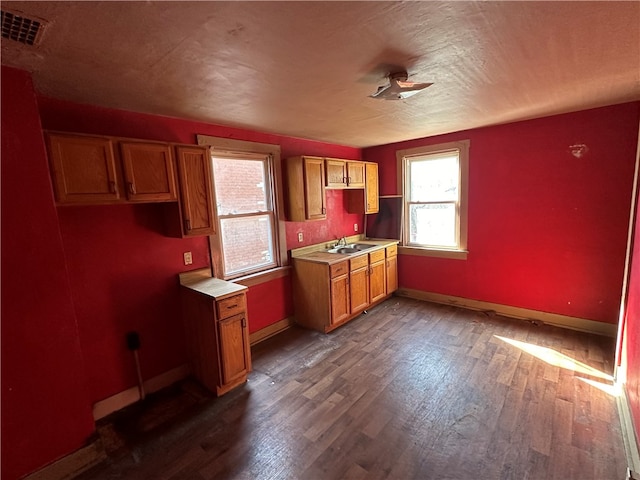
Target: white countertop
[(201, 281)]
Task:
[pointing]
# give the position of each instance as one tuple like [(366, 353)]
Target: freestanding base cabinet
[(215, 318)]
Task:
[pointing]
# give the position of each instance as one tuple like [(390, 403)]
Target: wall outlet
[(300, 237), (188, 259), (355, 227)]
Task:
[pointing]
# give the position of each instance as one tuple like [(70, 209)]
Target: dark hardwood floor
[(411, 390)]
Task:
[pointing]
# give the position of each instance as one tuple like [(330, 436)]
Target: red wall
[(123, 269), (46, 411), (632, 329), (547, 231)]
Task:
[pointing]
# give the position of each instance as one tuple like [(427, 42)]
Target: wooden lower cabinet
[(377, 276), (392, 268), (359, 279), (329, 295), (233, 350), (217, 339), (340, 301)]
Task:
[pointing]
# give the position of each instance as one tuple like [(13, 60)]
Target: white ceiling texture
[(306, 69)]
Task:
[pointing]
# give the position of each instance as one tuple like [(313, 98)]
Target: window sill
[(430, 252), (262, 277)]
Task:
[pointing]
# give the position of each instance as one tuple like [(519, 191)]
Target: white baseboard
[(120, 400), (271, 330), (71, 465), (628, 430), (565, 321)]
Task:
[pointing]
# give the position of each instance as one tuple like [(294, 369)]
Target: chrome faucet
[(343, 241)]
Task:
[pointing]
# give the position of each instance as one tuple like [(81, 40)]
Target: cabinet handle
[(132, 188), (324, 210), (232, 306), (244, 322), (112, 186), (348, 180), (188, 224)]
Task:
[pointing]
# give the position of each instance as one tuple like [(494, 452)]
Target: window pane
[(247, 243), (240, 186), (433, 224), (434, 179)]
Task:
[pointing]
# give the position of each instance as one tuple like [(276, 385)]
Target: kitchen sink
[(360, 246), (351, 248), (343, 250)]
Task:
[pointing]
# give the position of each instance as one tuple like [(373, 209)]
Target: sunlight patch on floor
[(553, 357)]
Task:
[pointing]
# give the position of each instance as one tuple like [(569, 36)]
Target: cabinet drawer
[(359, 262), (338, 269), (230, 306), (376, 256), (392, 250)]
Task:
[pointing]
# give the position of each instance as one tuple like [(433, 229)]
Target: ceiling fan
[(399, 88)]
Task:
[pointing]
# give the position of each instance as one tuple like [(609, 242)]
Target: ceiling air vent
[(20, 28)]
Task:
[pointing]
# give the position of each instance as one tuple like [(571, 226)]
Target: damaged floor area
[(411, 390)]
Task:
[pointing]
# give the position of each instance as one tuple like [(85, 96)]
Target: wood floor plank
[(410, 390)]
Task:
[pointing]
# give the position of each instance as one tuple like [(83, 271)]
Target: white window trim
[(231, 146), (401, 155)]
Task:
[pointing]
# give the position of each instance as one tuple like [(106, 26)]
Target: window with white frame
[(249, 235), (245, 212), (435, 197)]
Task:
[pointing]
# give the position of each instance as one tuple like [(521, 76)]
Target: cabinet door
[(392, 274), (336, 173), (314, 188), (377, 281), (196, 191), (355, 174), (340, 298), (371, 188), (148, 172), (365, 200), (234, 348), (359, 289), (83, 169)]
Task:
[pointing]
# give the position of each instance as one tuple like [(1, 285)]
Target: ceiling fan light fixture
[(399, 88)]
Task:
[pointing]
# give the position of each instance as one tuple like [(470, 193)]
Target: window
[(435, 199), (248, 238)]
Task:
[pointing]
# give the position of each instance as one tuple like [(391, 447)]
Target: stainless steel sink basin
[(360, 246), (351, 248), (343, 250)]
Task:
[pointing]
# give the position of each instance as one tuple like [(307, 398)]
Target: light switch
[(355, 227), (188, 260), (300, 237)]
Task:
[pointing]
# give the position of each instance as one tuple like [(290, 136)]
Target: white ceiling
[(305, 69)]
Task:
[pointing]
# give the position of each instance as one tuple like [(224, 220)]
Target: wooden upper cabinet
[(148, 172), (83, 169), (344, 173), (196, 190), (314, 189), (371, 188), (305, 179), (355, 174), (336, 170), (365, 201)]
